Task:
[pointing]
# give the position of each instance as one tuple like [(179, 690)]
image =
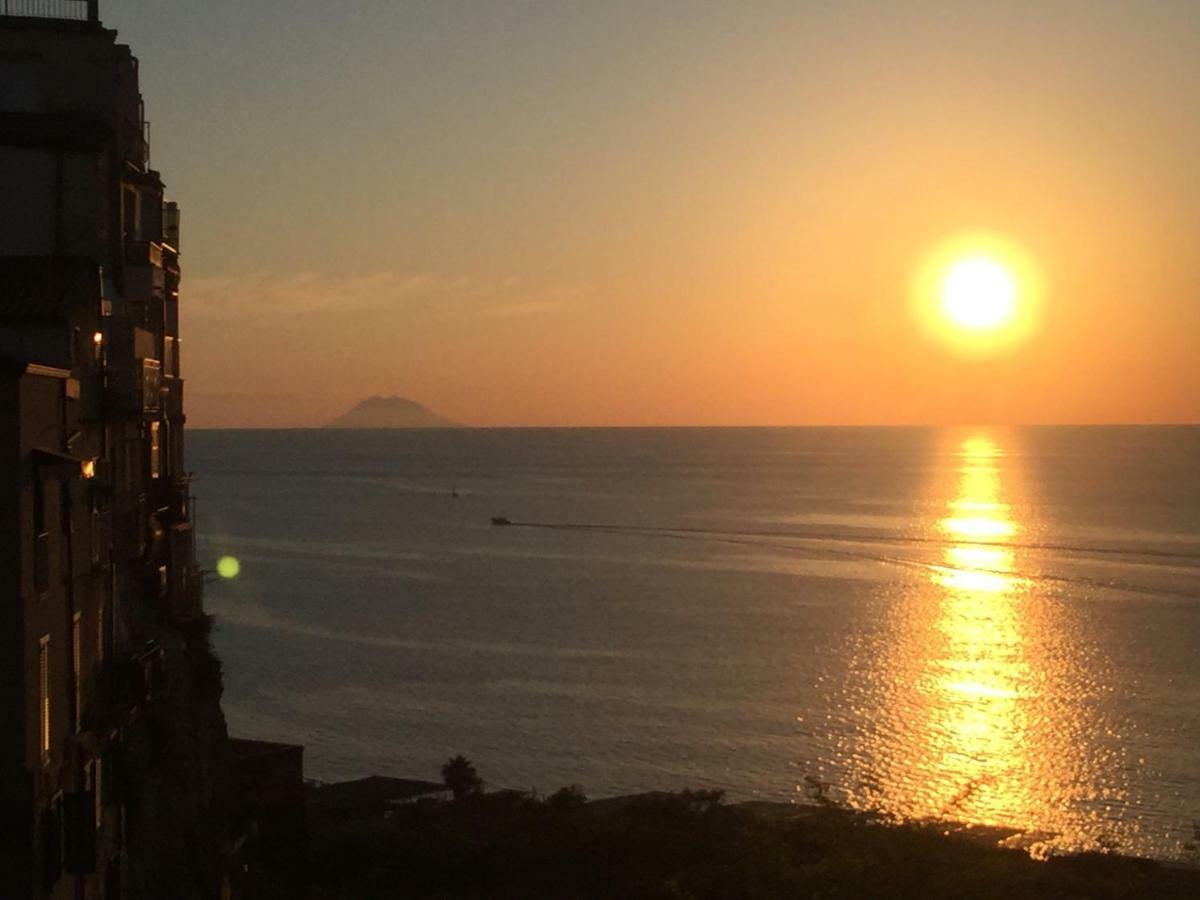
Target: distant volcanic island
[(391, 412)]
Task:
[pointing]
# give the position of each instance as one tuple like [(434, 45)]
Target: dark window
[(41, 540), (77, 669), (41, 562), (97, 536), (130, 210), (51, 845), (79, 832)]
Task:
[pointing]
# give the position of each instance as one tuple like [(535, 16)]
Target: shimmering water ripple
[(979, 705), (991, 627)]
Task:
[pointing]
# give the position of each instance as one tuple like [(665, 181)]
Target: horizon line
[(911, 425)]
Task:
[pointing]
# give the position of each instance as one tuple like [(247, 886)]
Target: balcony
[(172, 399), (174, 502), (170, 368), (134, 390), (143, 253), (144, 275), (67, 10), (129, 530)]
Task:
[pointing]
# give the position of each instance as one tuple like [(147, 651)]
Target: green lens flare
[(228, 567)]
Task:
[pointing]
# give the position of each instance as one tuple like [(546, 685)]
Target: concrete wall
[(15, 783), (52, 66), (27, 183), (53, 201)]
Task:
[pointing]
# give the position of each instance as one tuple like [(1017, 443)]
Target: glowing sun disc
[(978, 293)]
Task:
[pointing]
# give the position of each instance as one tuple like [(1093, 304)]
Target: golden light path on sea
[(976, 709), (982, 662)]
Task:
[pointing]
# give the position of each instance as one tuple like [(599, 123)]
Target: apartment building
[(114, 761)]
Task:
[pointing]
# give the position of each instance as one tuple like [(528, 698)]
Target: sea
[(998, 628)]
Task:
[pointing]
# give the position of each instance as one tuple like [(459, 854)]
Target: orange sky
[(542, 214)]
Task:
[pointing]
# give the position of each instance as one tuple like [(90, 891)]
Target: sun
[(978, 294)]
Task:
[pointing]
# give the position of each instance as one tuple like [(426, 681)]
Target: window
[(77, 668), (97, 547), (41, 540), (41, 562), (130, 214), (93, 774), (154, 450), (79, 832), (132, 454), (21, 84), (98, 774), (165, 451), (44, 695), (151, 384), (100, 632), (51, 840)]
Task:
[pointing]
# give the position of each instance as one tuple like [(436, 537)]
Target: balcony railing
[(71, 10), (173, 500), (144, 253)]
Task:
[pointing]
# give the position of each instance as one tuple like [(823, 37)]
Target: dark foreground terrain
[(687, 845)]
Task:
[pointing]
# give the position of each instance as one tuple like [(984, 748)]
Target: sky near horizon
[(673, 213)]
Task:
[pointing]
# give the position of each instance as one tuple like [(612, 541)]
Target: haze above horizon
[(684, 213)]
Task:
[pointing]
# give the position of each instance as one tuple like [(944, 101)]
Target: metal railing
[(72, 10)]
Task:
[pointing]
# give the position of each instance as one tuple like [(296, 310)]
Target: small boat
[(500, 520)]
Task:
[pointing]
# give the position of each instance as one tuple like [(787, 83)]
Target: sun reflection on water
[(980, 686), (982, 661)]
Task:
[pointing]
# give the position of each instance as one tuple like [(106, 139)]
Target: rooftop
[(64, 10), (374, 791)]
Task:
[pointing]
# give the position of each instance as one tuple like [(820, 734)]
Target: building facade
[(114, 761)]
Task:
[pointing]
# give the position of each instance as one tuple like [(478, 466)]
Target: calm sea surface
[(993, 626)]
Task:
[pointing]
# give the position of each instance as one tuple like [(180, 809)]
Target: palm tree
[(460, 777)]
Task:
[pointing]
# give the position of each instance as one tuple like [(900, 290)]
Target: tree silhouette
[(460, 777), (569, 797)]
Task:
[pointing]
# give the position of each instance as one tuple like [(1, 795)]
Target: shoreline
[(683, 844), (376, 793)]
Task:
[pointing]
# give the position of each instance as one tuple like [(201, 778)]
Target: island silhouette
[(391, 412)]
